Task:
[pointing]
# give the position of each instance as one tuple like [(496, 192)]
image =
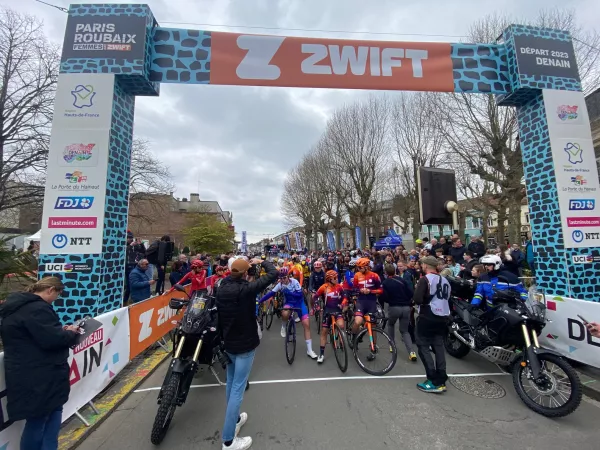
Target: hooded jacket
[(36, 349)]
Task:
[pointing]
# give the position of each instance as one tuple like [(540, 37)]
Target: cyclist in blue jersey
[(294, 298)]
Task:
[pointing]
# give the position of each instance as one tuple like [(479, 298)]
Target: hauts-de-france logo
[(574, 152), (567, 112), (83, 96), (78, 152)]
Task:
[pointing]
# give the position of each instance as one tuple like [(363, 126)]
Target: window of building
[(526, 217)]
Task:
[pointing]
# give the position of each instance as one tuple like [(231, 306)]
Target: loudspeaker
[(436, 187)]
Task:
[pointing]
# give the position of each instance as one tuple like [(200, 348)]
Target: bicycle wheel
[(339, 344), (290, 341), (318, 318), (377, 357), (270, 314)]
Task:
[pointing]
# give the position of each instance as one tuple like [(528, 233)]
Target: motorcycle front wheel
[(166, 409), (454, 347), (557, 394)]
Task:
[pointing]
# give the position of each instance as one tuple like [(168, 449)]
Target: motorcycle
[(195, 342), (507, 335)]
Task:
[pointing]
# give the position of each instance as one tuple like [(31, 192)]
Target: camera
[(222, 356)]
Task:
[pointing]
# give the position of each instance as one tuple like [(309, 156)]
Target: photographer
[(36, 349), (236, 306)]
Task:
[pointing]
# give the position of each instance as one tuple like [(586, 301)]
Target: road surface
[(307, 406)]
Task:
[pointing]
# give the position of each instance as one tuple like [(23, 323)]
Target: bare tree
[(356, 140), (28, 75), (418, 141), (150, 180)]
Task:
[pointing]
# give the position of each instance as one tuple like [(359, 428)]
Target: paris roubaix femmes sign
[(76, 178)]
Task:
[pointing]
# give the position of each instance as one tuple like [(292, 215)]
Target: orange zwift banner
[(243, 59), (150, 320)]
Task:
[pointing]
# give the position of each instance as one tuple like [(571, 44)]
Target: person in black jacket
[(236, 307), (36, 349), (398, 295), (467, 267), (477, 247)]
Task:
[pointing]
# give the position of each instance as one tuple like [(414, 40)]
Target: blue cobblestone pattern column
[(555, 271), (480, 68)]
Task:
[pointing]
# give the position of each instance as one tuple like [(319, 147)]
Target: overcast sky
[(237, 143)]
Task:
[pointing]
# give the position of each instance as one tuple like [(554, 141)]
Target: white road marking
[(365, 377)]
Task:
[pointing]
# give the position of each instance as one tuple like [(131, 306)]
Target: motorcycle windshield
[(196, 308)]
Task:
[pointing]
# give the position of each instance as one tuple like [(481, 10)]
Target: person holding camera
[(236, 308), (36, 350)]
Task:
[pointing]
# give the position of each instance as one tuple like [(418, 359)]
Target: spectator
[(36, 349), (139, 282), (439, 254), (445, 245), (529, 256), (406, 276), (477, 247), (509, 263), (435, 245), (397, 293), (152, 255), (458, 251), (176, 273), (518, 257), (431, 296), (133, 252), (477, 270), (594, 329), (236, 305), (452, 265), (467, 267)]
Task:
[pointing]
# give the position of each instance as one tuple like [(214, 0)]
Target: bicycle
[(376, 337), (339, 342), (290, 335), (272, 309), (318, 313)]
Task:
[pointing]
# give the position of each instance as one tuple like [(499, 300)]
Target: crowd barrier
[(124, 334)]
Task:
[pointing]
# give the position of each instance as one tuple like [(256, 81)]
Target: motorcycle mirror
[(179, 288)]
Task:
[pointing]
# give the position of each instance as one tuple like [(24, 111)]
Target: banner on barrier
[(149, 321), (92, 365), (566, 333)]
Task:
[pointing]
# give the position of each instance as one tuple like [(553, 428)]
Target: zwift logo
[(574, 152), (567, 112), (78, 152), (83, 96)]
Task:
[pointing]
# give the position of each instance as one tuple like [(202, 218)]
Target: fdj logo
[(83, 96), (74, 202), (582, 205)]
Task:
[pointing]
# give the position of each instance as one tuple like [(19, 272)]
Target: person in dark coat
[(36, 349), (139, 282), (477, 247), (236, 308)]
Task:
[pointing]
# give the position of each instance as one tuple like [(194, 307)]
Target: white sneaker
[(320, 359), (282, 331), (297, 319), (240, 424), (239, 443), (311, 354)]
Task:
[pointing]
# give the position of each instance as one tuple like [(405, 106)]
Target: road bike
[(273, 308), (318, 306), (374, 351), (339, 342), (290, 335)]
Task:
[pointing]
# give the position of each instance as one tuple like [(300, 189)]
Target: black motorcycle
[(195, 342), (507, 335)]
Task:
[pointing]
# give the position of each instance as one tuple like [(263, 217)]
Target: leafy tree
[(14, 268), (207, 235)]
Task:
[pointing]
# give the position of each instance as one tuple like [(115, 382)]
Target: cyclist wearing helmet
[(496, 278), (317, 278), (335, 301), (213, 281), (198, 276), (369, 285), (294, 298)]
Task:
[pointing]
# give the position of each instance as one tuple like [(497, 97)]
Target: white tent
[(34, 237)]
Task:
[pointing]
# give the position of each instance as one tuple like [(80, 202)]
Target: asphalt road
[(302, 407)]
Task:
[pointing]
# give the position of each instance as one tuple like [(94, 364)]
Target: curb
[(591, 386), (72, 435)]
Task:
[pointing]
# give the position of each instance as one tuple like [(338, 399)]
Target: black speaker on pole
[(436, 188)]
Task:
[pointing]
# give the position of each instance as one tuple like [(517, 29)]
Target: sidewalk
[(590, 379)]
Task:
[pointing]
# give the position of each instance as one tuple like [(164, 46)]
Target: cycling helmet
[(263, 257), (363, 262), (218, 268), (318, 264), (491, 259), (303, 262), (331, 275), (352, 263), (284, 272), (197, 264), (353, 253)]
